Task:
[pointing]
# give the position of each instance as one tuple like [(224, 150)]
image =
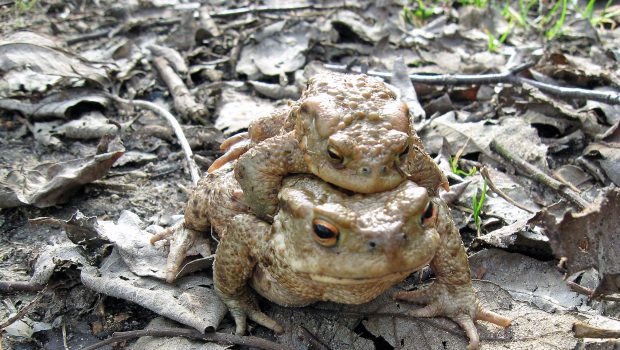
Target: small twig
[(19, 286), (583, 330), (191, 334), (263, 9), (509, 77), (110, 32), (193, 169), (21, 313), (578, 288), (486, 176), (568, 92), (102, 33), (64, 336), (313, 340), (538, 175), (184, 102), (445, 79)]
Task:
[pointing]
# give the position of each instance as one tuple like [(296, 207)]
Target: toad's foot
[(181, 239), (244, 306), (233, 152), (457, 302)]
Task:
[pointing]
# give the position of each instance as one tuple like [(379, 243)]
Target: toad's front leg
[(260, 170), (452, 294), (233, 267)]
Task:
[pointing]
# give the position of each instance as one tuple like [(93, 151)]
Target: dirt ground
[(81, 172)]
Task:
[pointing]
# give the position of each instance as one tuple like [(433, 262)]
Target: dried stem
[(184, 102), (578, 288), (485, 174), (538, 175), (24, 310), (583, 330), (509, 77), (19, 286), (313, 340), (267, 9), (193, 169), (191, 334)]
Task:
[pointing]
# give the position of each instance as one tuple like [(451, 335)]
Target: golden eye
[(429, 216), (334, 154), (324, 233), (404, 152)]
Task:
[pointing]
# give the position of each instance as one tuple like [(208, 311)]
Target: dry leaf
[(30, 64), (590, 238), (191, 300), (50, 184)]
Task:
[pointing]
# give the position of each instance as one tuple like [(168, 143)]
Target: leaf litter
[(55, 116)]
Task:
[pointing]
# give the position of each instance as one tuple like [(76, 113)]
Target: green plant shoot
[(478, 204), (455, 168)]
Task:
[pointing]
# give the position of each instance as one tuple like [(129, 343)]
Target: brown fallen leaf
[(590, 238), (191, 300), (49, 184)]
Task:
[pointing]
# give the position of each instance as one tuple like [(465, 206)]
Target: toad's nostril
[(365, 170), (372, 244), (384, 169)]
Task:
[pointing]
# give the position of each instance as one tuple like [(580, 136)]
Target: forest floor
[(519, 106)]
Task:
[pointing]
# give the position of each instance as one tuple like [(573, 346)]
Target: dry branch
[(538, 175), (19, 286), (187, 150), (487, 177), (191, 334), (184, 102), (509, 77), (24, 310), (583, 330), (267, 9), (311, 339)]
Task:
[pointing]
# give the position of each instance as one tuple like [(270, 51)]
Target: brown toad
[(349, 130), (327, 245)]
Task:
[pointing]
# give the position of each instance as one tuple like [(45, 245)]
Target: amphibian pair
[(347, 236)]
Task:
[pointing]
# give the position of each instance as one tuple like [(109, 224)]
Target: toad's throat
[(396, 276)]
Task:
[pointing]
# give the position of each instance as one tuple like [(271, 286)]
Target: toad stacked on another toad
[(349, 130), (326, 244)]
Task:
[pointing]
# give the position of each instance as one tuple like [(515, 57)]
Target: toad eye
[(404, 152), (429, 216), (324, 233), (334, 154)]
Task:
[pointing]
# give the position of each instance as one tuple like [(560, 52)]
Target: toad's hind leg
[(233, 267), (451, 294)]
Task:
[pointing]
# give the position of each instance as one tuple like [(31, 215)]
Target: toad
[(349, 130), (329, 245)]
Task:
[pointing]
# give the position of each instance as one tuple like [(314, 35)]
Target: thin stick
[(263, 9), (568, 92), (21, 313), (193, 169), (485, 174), (313, 340), (509, 77), (19, 286), (578, 288), (583, 330), (444, 79), (538, 175), (184, 102), (191, 334)]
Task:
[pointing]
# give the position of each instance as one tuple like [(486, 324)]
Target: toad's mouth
[(393, 277)]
